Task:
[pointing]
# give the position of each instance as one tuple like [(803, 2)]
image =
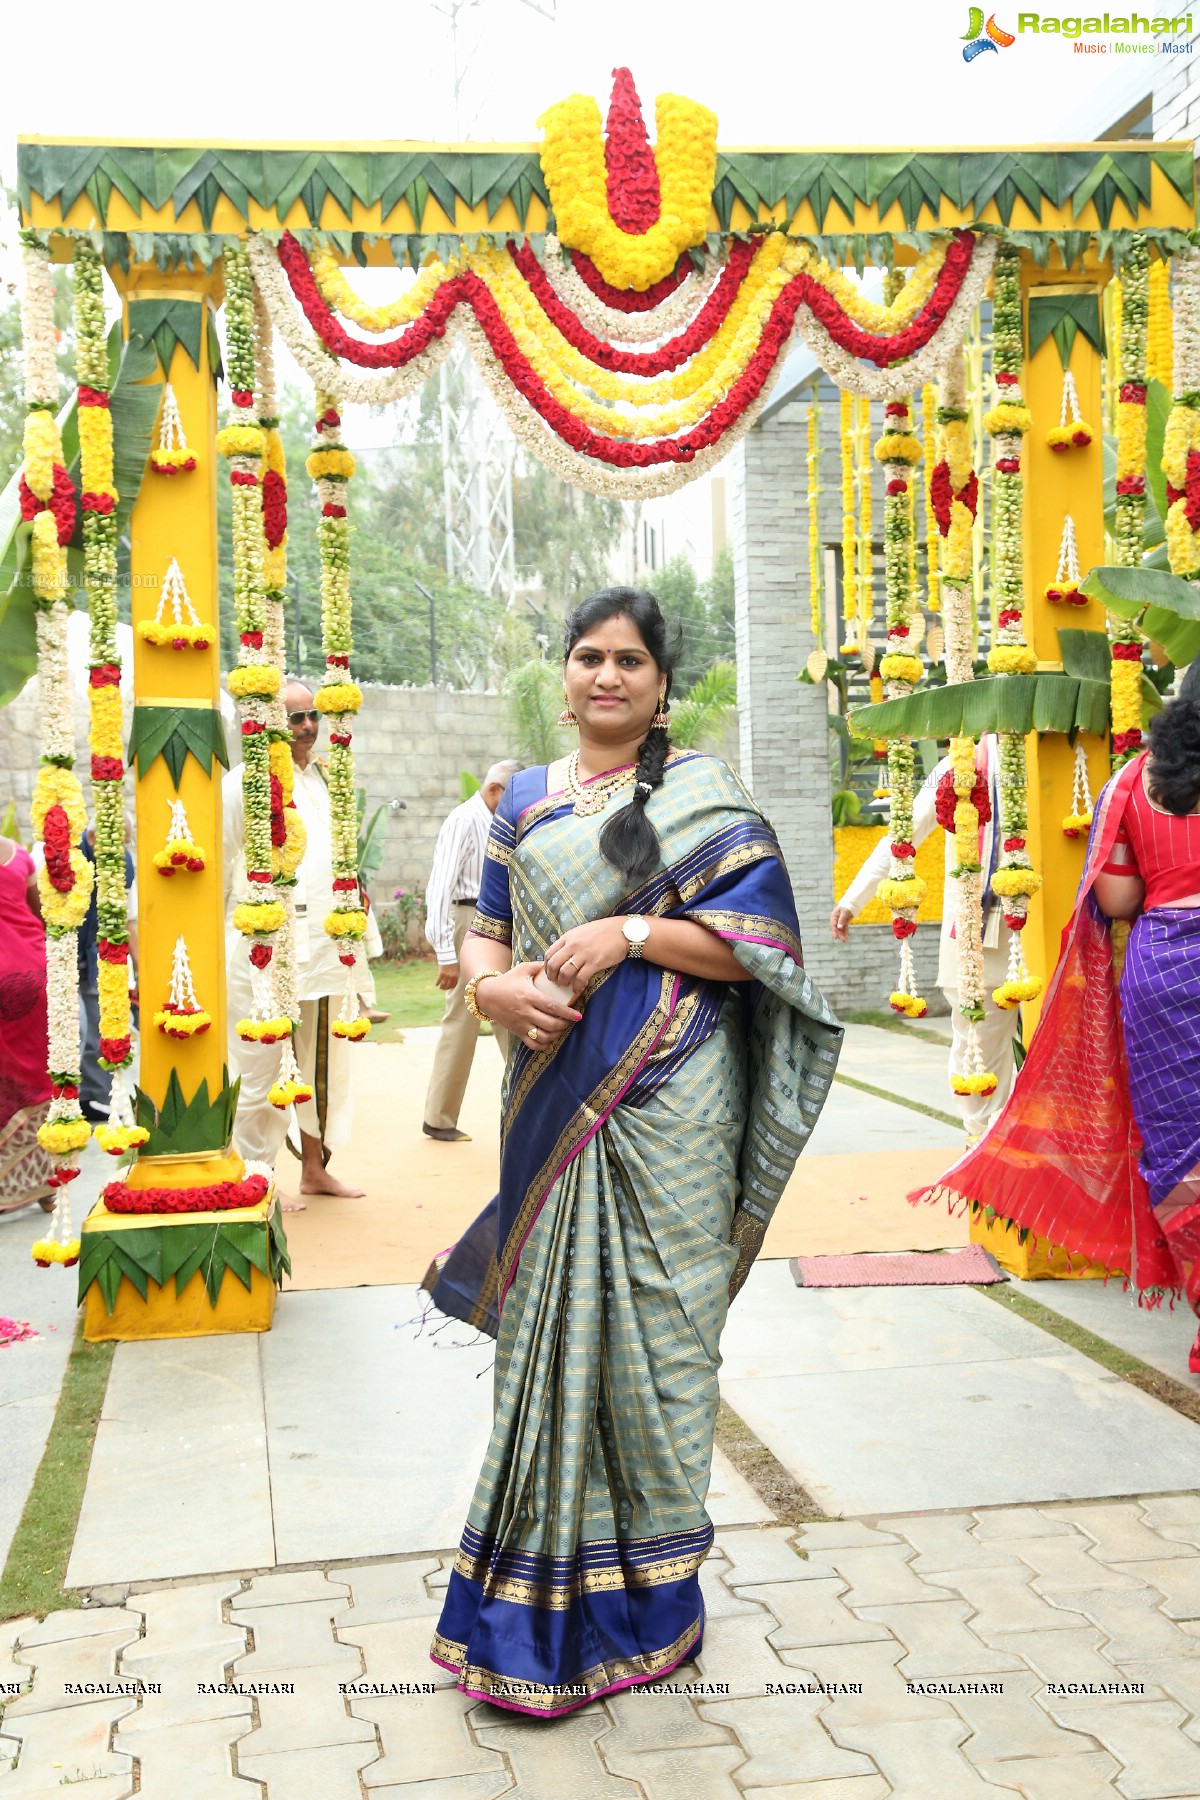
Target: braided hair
[(1174, 769), (629, 841)]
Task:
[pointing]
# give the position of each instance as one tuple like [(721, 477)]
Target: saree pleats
[(642, 1154)]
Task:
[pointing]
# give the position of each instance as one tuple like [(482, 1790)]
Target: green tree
[(563, 537)]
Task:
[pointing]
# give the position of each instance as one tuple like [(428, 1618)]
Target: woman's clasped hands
[(515, 1001)]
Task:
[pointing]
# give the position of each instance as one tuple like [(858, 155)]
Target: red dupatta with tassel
[(1061, 1161)]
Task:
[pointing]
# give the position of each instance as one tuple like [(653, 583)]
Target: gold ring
[(532, 1034), (569, 960)]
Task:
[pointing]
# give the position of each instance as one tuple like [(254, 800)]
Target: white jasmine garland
[(1186, 321), (670, 317), (37, 326), (62, 1005)]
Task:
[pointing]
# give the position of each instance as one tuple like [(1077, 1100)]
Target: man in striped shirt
[(450, 900)]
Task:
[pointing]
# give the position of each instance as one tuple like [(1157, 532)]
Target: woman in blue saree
[(653, 1110)]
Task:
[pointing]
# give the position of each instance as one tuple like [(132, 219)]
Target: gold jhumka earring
[(566, 716)]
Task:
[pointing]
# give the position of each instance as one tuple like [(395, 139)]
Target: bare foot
[(325, 1183), (287, 1204)]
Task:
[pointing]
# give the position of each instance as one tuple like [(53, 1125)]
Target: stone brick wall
[(1177, 95), (784, 724)]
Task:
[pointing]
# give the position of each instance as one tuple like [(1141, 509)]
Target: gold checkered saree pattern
[(579, 1564)]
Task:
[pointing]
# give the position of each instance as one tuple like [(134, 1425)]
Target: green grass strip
[(34, 1575), (878, 1093), (1175, 1394)]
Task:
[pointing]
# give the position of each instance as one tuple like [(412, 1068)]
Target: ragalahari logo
[(979, 37)]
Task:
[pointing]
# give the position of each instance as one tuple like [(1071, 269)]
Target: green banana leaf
[(1164, 606), (1046, 701)]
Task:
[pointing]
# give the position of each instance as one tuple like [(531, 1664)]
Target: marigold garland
[(1160, 345), (816, 585), (866, 539), (1126, 672), (1181, 443), (849, 529), (58, 813)]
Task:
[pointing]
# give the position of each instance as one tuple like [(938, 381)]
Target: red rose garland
[(221, 1196)]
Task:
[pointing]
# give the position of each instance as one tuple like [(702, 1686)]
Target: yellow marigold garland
[(1160, 345), (815, 579), (849, 529), (1126, 668)]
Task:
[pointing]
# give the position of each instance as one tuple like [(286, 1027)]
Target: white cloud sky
[(775, 71)]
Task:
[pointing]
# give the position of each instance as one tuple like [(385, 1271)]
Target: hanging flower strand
[(1064, 589), (1126, 673), (1072, 431), (254, 682), (331, 466), (899, 451), (849, 554), (815, 581), (1181, 442), (58, 813)]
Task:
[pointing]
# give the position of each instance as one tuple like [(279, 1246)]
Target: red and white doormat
[(915, 1268)]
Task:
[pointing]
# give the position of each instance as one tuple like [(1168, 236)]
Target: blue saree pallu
[(642, 1155)]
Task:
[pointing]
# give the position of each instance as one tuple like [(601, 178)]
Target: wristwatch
[(636, 930)]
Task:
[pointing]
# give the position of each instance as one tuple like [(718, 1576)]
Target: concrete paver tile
[(720, 1601), (191, 1762), (856, 1787), (921, 1758), (1144, 1736), (1054, 1777), (182, 1701), (394, 1590), (783, 1735), (327, 1774), (11, 1633), (69, 1744), (440, 1579), (1063, 1563), (1066, 1656), (1170, 1509), (298, 1636), (1177, 1579), (759, 1556), (736, 1651), (701, 1774), (810, 1612), (877, 1692), (454, 1787), (548, 1765), (186, 1618), (396, 1650), (1002, 1522), (1003, 1600), (643, 1720), (1134, 1624), (1120, 1531), (947, 1541), (289, 1587), (881, 1577), (1161, 1677), (424, 1735), (731, 1500), (1012, 1719), (80, 1622), (65, 1673), (940, 1644), (313, 1717), (841, 1534)]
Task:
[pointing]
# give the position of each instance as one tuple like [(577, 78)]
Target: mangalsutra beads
[(595, 796)]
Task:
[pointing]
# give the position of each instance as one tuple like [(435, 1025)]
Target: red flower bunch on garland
[(61, 503), (56, 836), (274, 504), (278, 822), (222, 1196), (942, 495), (631, 175), (946, 800), (629, 300)]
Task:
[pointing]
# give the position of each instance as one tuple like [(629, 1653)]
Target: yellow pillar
[(1057, 483), (176, 517)]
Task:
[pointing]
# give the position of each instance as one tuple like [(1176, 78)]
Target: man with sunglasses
[(325, 1121)]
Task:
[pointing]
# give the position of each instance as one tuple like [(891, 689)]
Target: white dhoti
[(325, 1064), (994, 1033)]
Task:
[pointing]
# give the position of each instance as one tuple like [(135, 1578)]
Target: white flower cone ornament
[(182, 1016), (121, 1134), (171, 456), (179, 854), (1072, 431), (289, 1088), (350, 1023), (1064, 589), (176, 625), (1079, 819)]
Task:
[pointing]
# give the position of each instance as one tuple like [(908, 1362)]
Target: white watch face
[(636, 930)]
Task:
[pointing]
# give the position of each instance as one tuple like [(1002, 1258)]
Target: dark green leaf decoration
[(1063, 316), (917, 181), (175, 733), (165, 323), (135, 397), (182, 1128), (1086, 654), (1022, 703), (1164, 606), (180, 1247)]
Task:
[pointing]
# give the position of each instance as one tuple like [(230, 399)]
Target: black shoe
[(447, 1134)]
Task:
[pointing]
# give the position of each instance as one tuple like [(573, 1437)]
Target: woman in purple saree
[(650, 1123)]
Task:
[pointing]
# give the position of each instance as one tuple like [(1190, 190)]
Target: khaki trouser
[(456, 1045)]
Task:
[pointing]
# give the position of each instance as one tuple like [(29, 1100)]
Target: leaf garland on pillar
[(58, 812), (1131, 496)]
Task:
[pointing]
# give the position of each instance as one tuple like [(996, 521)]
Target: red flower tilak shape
[(634, 196)]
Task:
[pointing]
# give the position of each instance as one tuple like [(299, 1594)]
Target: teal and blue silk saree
[(642, 1155)]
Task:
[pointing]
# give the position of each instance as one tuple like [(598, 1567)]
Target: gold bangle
[(469, 992)]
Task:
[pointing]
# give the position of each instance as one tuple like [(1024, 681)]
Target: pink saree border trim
[(743, 937), (589, 1135), (558, 1712)]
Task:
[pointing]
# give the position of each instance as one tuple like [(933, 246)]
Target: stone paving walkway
[(1051, 1652)]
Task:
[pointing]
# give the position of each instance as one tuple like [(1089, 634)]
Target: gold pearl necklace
[(595, 796)]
